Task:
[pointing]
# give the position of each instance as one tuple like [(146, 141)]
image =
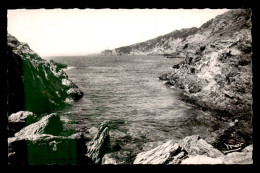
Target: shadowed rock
[(238, 134), (37, 144), (48, 149), (243, 157), (100, 144), (33, 84)]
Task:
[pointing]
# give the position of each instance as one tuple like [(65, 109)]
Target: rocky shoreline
[(215, 74), (39, 143)]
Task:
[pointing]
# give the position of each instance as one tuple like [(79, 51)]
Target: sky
[(59, 32)]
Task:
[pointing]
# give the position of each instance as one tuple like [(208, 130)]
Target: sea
[(142, 111)]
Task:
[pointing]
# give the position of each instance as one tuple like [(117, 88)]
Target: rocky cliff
[(216, 72), (35, 84), (217, 68), (36, 87), (162, 45)]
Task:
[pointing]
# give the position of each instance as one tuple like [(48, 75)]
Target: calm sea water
[(125, 90)]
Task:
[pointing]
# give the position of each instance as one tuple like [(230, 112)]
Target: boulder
[(173, 152), (100, 144), (21, 117), (162, 154), (49, 124), (194, 145), (19, 120)]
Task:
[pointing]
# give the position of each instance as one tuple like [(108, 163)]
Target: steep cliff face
[(217, 68), (216, 73), (35, 84)]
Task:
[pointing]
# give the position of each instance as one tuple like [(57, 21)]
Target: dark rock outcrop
[(33, 84), (39, 143), (34, 88), (100, 144), (236, 137), (48, 149)]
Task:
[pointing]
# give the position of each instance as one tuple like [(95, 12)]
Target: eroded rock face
[(216, 72), (100, 144), (33, 83)]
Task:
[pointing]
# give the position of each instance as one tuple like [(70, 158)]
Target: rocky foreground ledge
[(41, 142), (192, 150)]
